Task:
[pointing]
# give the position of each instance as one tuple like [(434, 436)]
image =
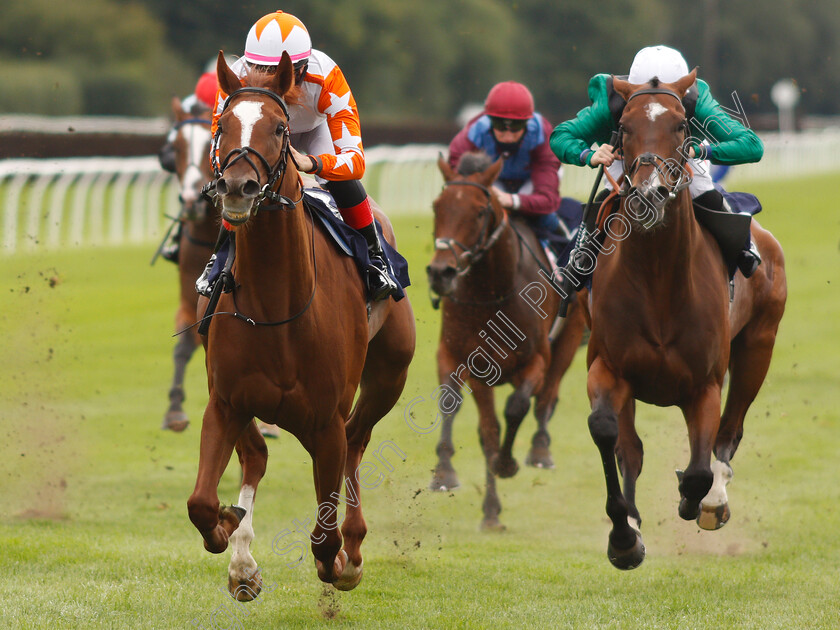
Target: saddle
[(350, 243)]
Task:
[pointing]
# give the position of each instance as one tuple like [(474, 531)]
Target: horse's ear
[(228, 81), (447, 171), (285, 75), (492, 172), (681, 86), (623, 87), (177, 110)]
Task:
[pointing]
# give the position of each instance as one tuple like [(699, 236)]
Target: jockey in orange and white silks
[(325, 123), (326, 139)]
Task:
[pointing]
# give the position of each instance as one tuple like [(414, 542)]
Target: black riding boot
[(380, 284), (749, 259)]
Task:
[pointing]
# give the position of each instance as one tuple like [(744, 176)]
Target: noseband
[(669, 169), (486, 240), (276, 172)]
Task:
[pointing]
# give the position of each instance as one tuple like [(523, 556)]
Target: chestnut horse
[(491, 334), (199, 229), (663, 328), (299, 346)]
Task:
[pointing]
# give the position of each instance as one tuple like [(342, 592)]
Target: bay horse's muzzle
[(442, 277), (239, 196)]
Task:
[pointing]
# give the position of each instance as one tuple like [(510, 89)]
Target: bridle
[(247, 153), (486, 239), (670, 170)]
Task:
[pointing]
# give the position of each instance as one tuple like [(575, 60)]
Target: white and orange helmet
[(274, 34)]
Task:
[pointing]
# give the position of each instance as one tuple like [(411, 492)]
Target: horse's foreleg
[(629, 453), (488, 435), (244, 580), (175, 419), (328, 448), (219, 432), (702, 417), (607, 394), (517, 406), (562, 353), (444, 477)]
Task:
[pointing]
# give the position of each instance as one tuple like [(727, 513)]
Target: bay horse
[(663, 329), (300, 346), (199, 229), (490, 335)]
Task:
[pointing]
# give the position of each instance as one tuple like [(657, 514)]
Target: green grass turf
[(94, 531)]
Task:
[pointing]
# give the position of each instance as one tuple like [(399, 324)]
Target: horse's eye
[(281, 129)]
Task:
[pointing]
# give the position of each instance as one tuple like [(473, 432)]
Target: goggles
[(507, 124)]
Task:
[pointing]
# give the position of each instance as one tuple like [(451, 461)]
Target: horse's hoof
[(626, 559), (492, 525), (688, 511), (539, 458), (175, 421), (504, 467), (350, 577), (237, 510), (339, 564), (713, 517), (245, 589), (271, 431), (444, 479)]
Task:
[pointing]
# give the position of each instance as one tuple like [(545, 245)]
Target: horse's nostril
[(221, 186), (251, 188), (662, 192)]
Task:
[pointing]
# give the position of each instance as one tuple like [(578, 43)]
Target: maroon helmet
[(509, 100)]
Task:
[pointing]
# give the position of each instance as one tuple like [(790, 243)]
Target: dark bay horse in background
[(199, 230), (663, 330), (489, 334), (302, 344)]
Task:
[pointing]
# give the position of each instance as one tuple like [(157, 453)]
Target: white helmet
[(274, 34), (657, 61)]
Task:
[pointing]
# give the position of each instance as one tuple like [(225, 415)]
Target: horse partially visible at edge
[(663, 329), (291, 343), (199, 227), (483, 259)]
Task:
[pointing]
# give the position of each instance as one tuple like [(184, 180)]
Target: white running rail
[(77, 202)]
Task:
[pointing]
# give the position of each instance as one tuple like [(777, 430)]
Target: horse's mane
[(654, 82), (474, 162), (261, 79)]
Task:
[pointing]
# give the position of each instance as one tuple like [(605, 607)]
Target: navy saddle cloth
[(350, 242)]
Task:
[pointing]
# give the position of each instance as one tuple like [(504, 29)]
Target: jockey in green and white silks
[(715, 135)]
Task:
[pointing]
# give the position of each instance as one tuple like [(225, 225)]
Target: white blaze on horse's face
[(654, 110), (248, 113), (197, 136)]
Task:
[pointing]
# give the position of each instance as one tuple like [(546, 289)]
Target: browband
[(654, 91), (257, 90)]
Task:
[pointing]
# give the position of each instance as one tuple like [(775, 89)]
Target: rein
[(221, 281)]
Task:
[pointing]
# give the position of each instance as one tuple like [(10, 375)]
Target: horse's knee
[(184, 349), (517, 406), (603, 427)]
